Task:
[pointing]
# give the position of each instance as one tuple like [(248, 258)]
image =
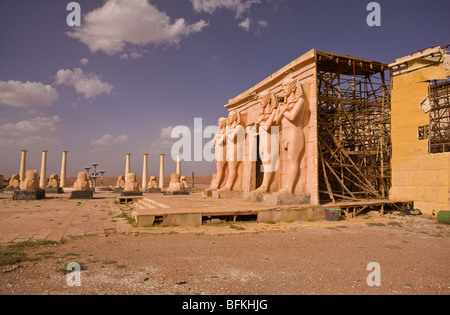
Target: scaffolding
[(439, 134), (353, 110)]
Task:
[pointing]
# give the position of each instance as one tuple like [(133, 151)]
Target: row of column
[(43, 174), (145, 169)]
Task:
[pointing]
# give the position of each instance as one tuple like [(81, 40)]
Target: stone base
[(82, 194), (207, 192), (176, 193), (131, 194), (100, 189), (253, 196), (29, 194), (286, 199), (58, 190), (224, 194), (10, 190), (153, 190)]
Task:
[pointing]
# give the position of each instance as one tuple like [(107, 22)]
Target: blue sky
[(137, 68)]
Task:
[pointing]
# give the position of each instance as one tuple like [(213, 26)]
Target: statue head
[(31, 181), (174, 178), (131, 177), (82, 176), (267, 100), (82, 182), (222, 122), (289, 87)]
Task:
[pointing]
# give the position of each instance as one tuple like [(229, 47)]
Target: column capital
[(24, 151), (44, 151), (64, 151), (146, 154)]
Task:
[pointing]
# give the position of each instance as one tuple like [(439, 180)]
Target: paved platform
[(58, 217)]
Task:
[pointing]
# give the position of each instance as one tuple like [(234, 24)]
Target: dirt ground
[(296, 258)]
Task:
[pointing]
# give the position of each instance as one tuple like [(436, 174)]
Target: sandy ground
[(249, 258)]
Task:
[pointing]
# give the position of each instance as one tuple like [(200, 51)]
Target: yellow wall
[(416, 174)]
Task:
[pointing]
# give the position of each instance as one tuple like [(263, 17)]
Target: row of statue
[(285, 111), (177, 183), (85, 182), (31, 181)]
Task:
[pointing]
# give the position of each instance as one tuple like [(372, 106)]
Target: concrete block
[(143, 220), (29, 194), (131, 193), (286, 199), (82, 194), (182, 219)]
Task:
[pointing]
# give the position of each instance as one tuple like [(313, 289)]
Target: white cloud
[(121, 25), (164, 142), (84, 61), (109, 140), (89, 85), (210, 6), (27, 94), (245, 24), (30, 132)]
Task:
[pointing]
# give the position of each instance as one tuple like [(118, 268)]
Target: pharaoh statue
[(153, 183), (121, 182), (175, 183), (267, 145), (184, 184), (131, 184), (82, 182), (31, 181), (91, 181), (290, 115), (14, 183), (53, 182), (220, 157), (235, 142)]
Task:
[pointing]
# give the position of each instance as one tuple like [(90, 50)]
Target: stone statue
[(121, 182), (31, 181), (131, 184), (290, 115), (53, 182), (264, 122), (14, 183), (235, 142), (91, 181), (175, 183), (220, 157), (153, 183), (184, 184), (82, 182)]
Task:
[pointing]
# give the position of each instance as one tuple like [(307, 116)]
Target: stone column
[(43, 180), (161, 171), (178, 165), (145, 172), (63, 176), (23, 165), (127, 164)]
